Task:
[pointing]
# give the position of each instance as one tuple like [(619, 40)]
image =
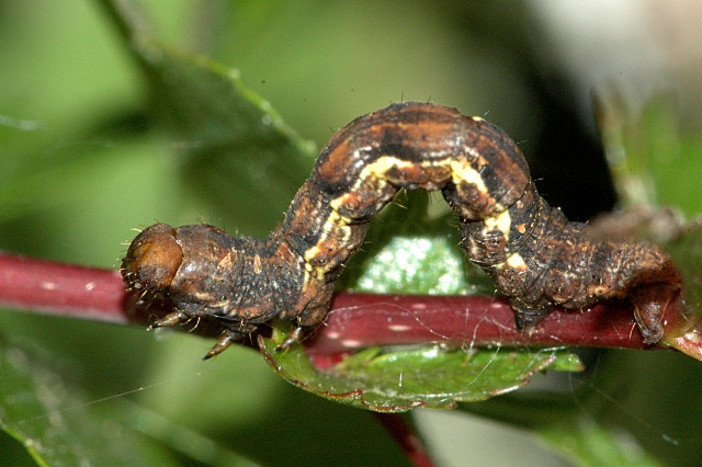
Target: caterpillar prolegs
[(534, 255)]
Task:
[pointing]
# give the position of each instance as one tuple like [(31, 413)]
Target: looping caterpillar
[(534, 255)]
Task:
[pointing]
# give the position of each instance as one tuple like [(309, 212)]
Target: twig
[(355, 321)]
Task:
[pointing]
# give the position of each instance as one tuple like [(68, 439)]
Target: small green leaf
[(410, 249), (429, 376)]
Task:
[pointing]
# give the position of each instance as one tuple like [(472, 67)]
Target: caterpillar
[(535, 256)]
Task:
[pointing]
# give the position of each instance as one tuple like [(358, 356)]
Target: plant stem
[(406, 437), (62, 289), (355, 320), (366, 320)]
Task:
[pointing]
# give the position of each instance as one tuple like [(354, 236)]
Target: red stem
[(405, 436), (62, 289), (365, 320), (355, 320)]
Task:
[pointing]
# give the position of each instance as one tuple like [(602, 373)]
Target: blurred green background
[(84, 160)]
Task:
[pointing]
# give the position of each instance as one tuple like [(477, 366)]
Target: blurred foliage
[(89, 151), (654, 162)]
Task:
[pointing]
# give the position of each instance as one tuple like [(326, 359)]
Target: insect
[(534, 255)]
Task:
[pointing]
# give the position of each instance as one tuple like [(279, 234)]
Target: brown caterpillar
[(535, 256)]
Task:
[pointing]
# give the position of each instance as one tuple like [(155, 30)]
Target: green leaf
[(45, 413), (50, 417), (430, 376), (235, 151), (413, 248)]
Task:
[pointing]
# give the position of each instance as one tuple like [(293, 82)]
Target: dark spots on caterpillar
[(535, 256)]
